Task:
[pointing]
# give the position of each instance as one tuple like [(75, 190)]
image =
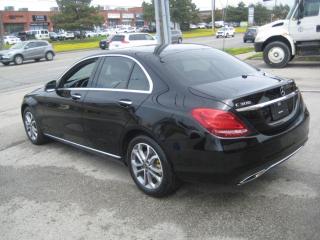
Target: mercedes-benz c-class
[(172, 113)]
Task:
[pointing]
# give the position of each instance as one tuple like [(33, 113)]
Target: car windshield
[(18, 45), (204, 66), (252, 30)]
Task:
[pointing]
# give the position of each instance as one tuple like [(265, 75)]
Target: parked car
[(131, 40), (90, 34), (11, 40), (225, 32), (53, 36), (104, 43), (39, 34), (79, 34), (27, 50), (250, 34), (193, 26), (69, 35), (172, 113), (202, 25), (176, 36)]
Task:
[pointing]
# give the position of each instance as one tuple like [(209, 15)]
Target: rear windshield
[(195, 67), (118, 38)]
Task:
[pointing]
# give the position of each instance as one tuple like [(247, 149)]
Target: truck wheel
[(277, 54)]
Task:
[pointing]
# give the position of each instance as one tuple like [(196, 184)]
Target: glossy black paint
[(99, 121)]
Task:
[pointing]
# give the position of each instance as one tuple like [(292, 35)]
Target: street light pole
[(213, 14), (1, 31), (163, 22)]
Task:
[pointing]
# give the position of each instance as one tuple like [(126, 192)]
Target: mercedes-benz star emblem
[(282, 92)]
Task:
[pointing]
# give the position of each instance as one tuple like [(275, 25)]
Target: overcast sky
[(46, 4)]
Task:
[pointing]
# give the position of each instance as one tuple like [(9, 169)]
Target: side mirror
[(51, 86)]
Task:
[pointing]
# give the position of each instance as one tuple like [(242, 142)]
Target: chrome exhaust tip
[(252, 177)]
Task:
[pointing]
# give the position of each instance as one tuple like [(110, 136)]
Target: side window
[(80, 75), (118, 38), (31, 45), (115, 73), (311, 8), (147, 37), (138, 80), (133, 37)]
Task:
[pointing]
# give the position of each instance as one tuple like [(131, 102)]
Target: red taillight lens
[(220, 123)]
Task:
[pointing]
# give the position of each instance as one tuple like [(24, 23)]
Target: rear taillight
[(220, 123), (124, 41)]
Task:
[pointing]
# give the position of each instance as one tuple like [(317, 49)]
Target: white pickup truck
[(297, 35)]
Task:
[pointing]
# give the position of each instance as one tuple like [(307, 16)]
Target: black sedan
[(250, 35), (172, 113)]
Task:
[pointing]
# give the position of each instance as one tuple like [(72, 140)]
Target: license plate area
[(279, 110)]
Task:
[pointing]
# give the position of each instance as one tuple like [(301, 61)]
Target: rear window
[(195, 67), (118, 38)]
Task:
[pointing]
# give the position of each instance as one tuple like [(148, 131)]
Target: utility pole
[(163, 22), (1, 31), (213, 14)]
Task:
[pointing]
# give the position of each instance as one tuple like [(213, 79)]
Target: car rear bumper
[(258, 46), (239, 160)]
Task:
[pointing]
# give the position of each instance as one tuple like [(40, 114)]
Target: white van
[(40, 34), (297, 35)]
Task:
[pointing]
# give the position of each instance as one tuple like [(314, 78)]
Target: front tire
[(150, 168), (277, 54), (32, 127), (49, 56), (18, 60)]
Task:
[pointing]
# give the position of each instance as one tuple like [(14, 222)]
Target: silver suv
[(28, 50)]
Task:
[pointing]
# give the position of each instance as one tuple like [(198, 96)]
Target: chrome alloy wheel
[(31, 126), (146, 166), (276, 55)]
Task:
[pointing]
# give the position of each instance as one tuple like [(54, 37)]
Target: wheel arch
[(131, 134), (288, 41)]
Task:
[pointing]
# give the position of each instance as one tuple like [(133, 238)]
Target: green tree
[(262, 15), (237, 14), (280, 11), (181, 11), (148, 11), (76, 15)]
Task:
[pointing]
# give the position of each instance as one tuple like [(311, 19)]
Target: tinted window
[(118, 38), (311, 8), (115, 73), (138, 80), (41, 44), (203, 66), (80, 75), (32, 45)]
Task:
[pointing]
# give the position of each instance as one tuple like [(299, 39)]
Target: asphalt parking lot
[(58, 192)]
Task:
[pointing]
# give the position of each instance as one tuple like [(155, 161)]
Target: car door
[(64, 107), (30, 51), (112, 103), (308, 27)]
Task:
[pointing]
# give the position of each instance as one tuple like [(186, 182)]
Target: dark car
[(104, 43), (53, 36), (250, 35), (172, 113)]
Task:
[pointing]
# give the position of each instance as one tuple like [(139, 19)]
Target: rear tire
[(150, 168), (49, 56), (32, 127), (18, 60), (277, 54)]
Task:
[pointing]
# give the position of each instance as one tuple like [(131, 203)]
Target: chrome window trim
[(265, 104), (81, 146), (111, 89)]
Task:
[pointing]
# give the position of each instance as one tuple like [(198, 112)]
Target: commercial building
[(23, 20)]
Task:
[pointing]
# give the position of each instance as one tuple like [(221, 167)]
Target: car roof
[(155, 50)]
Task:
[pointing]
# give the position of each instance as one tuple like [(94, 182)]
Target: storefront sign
[(114, 15), (128, 15), (39, 18)]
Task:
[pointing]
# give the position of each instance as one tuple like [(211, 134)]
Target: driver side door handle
[(76, 96)]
